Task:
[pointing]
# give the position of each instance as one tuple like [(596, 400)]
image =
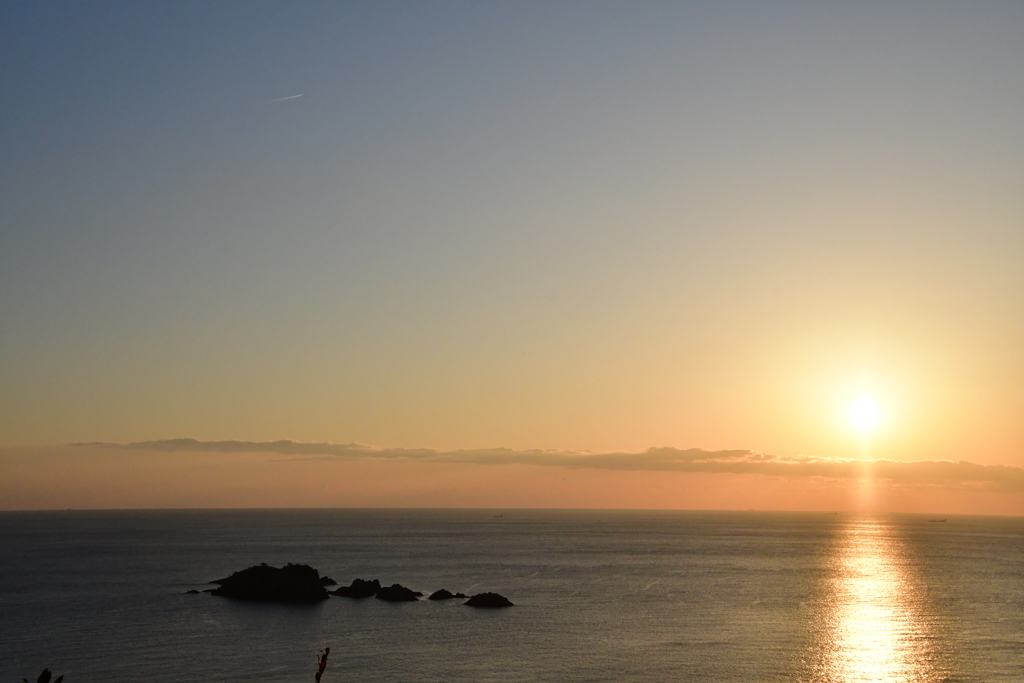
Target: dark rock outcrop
[(445, 595), (489, 600), (397, 593), (359, 589), (291, 583), (192, 591), (327, 581)]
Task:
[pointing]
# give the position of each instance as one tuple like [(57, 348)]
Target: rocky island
[(291, 583), (489, 600), (398, 593), (358, 589)]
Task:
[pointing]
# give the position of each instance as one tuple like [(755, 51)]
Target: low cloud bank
[(653, 459)]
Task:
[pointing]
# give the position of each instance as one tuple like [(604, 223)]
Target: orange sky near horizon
[(107, 478)]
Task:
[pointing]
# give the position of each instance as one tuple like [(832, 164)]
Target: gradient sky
[(571, 227)]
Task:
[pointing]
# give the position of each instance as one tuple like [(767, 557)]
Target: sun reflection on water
[(876, 625)]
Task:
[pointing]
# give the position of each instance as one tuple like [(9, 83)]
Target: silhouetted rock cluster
[(291, 583), (302, 583), (364, 589), (489, 600), (399, 593)]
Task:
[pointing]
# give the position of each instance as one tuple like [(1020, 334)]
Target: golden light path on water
[(876, 624)]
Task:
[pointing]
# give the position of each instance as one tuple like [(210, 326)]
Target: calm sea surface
[(600, 596)]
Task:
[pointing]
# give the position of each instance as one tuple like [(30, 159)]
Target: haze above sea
[(599, 596)]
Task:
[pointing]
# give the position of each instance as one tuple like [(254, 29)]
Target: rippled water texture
[(877, 622), (600, 596)]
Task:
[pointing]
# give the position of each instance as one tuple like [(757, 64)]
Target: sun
[(864, 415)]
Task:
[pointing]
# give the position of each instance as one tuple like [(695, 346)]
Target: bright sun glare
[(864, 415)]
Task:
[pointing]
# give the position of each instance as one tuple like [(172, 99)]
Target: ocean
[(599, 596)]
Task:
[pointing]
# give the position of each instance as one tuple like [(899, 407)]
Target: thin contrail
[(290, 97)]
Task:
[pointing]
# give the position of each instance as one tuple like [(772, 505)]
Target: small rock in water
[(397, 593), (489, 600), (193, 591), (441, 595), (359, 589), (327, 581)]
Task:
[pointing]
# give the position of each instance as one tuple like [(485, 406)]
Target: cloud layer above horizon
[(940, 472)]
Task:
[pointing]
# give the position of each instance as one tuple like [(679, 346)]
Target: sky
[(480, 243)]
